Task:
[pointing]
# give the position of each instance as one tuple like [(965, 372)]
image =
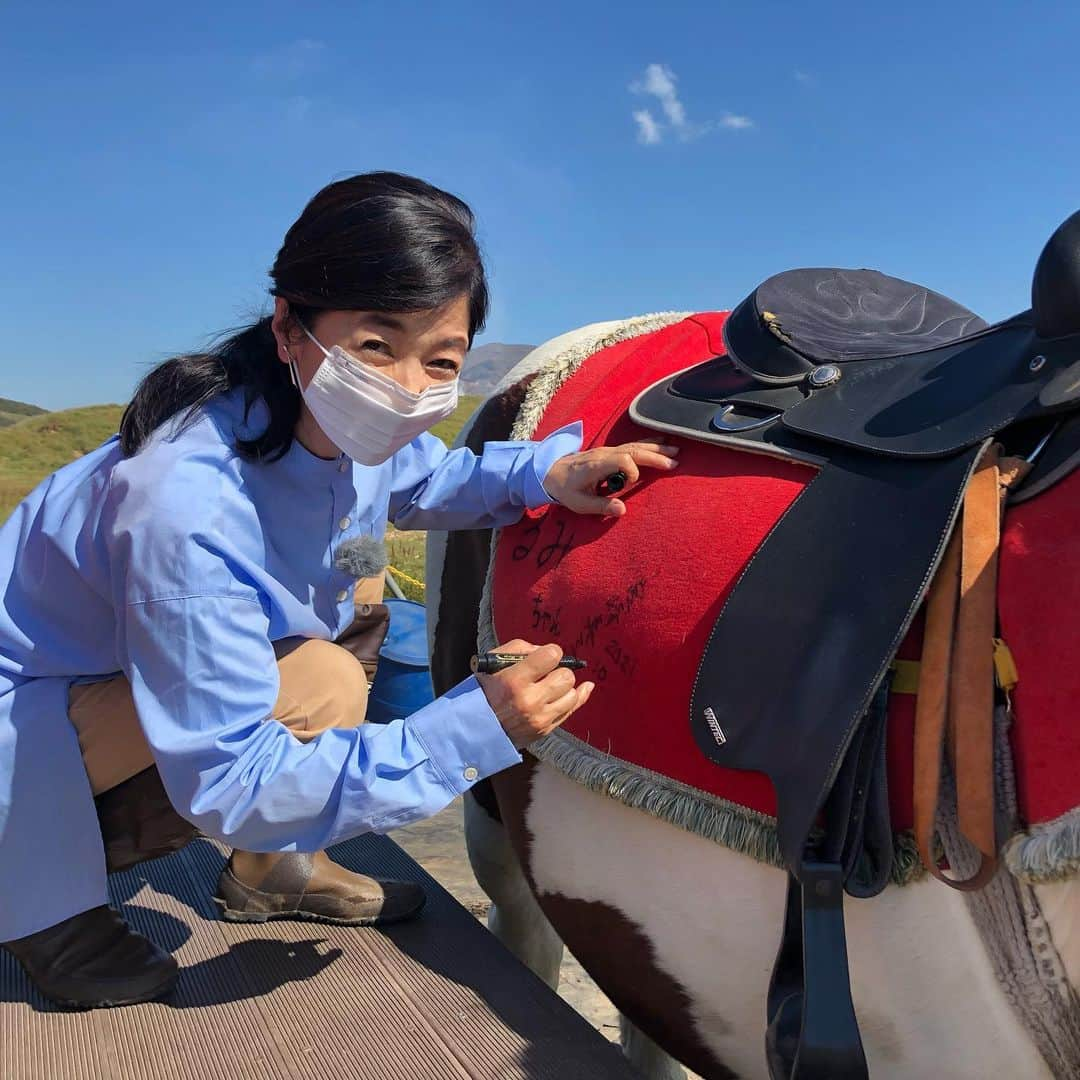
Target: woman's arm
[(205, 681), (436, 488), (193, 638)]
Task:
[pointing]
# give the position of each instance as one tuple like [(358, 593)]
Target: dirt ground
[(438, 845)]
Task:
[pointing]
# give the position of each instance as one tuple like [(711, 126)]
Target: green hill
[(11, 412), (39, 444)]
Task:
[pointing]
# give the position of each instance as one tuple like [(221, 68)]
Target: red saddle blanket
[(637, 597)]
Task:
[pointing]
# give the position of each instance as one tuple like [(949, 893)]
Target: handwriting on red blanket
[(597, 626), (549, 555)]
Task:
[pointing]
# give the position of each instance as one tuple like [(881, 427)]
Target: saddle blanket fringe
[(1046, 852), (740, 828)]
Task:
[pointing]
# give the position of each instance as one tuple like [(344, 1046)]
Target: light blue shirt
[(180, 567)]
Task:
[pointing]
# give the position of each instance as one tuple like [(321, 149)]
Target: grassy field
[(36, 445), (406, 549), (448, 430)]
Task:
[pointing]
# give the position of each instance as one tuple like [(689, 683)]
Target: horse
[(671, 891)]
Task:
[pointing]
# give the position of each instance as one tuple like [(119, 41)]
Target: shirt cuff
[(567, 440), (463, 738)]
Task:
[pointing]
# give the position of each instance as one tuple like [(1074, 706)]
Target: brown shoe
[(95, 960), (256, 887)]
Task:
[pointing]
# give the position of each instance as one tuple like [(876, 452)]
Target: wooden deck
[(435, 998)]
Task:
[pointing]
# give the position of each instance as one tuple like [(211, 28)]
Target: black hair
[(374, 242)]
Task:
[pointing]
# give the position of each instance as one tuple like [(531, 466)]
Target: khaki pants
[(323, 685)]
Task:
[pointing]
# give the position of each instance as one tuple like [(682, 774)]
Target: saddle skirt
[(637, 598)]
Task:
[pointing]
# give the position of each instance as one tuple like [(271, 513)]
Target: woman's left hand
[(573, 480)]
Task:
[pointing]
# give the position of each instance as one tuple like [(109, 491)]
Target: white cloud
[(659, 82), (648, 128), (736, 122), (289, 61), (805, 78)]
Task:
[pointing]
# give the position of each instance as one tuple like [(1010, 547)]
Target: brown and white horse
[(681, 932)]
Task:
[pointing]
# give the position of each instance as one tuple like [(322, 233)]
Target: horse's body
[(680, 931), (681, 934)]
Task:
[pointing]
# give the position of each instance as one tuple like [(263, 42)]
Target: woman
[(171, 601)]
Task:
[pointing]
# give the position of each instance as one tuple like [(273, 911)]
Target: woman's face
[(417, 349)]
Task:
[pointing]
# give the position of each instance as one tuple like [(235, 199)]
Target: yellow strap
[(906, 672), (405, 577), (905, 677)]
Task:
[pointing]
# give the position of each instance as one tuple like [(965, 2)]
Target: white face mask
[(363, 412)]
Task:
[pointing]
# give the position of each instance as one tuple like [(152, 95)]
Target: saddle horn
[(1055, 288)]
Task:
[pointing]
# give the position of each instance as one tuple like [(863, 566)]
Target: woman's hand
[(573, 479), (534, 696)]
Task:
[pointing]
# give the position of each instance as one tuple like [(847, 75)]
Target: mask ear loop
[(294, 372), (294, 375), (313, 338)]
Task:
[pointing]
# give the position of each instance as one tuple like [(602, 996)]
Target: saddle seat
[(875, 363), (800, 319)]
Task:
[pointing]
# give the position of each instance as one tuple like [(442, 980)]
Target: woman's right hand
[(534, 696)]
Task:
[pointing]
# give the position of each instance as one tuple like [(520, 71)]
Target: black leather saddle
[(894, 391)]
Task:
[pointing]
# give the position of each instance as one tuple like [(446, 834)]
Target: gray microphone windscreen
[(361, 557)]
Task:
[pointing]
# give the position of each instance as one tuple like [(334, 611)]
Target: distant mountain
[(487, 364), (11, 412)]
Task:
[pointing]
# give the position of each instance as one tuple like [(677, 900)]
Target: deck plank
[(437, 998)]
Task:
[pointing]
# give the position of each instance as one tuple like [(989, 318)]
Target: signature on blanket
[(597, 629)]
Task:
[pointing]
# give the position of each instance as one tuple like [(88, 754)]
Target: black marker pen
[(491, 662)]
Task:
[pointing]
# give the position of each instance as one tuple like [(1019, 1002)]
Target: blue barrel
[(402, 683)]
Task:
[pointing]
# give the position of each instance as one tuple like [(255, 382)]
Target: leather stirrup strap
[(932, 702), (955, 702), (971, 680)]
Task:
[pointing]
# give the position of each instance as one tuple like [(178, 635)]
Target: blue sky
[(155, 154)]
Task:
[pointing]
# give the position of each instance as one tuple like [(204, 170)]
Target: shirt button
[(470, 774), (342, 596), (344, 523)]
